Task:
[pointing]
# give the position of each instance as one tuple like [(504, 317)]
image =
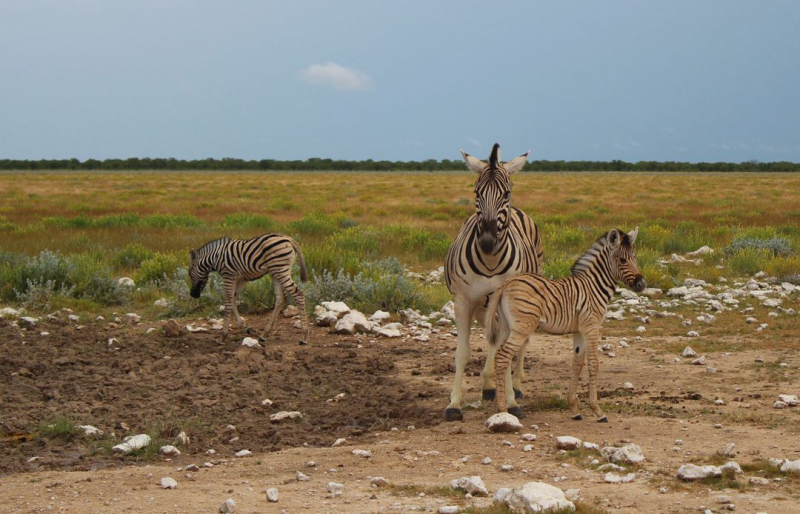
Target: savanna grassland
[(143, 224), (65, 239)]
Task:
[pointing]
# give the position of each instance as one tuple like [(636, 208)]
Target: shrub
[(749, 260), (245, 220), (159, 268), (132, 256), (777, 246)]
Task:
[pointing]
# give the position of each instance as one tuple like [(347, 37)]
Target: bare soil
[(394, 394)]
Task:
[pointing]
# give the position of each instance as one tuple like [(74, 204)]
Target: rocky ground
[(381, 389)]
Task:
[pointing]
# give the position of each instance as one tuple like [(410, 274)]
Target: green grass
[(60, 427)]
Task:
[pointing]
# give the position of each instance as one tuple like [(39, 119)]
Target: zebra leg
[(592, 337), (463, 311), (578, 358), (488, 368), (519, 370), (229, 292), (236, 296), (502, 368), (300, 299), (279, 301)]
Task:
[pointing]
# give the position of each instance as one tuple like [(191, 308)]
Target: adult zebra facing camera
[(495, 243)]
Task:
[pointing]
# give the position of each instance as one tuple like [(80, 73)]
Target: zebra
[(572, 305), (498, 241), (240, 261)]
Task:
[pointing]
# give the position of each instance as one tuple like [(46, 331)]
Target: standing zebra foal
[(240, 261), (572, 305), (497, 242)]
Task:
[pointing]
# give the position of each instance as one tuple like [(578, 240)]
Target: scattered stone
[(628, 454), (692, 472), (301, 477), (364, 454), (379, 482), (89, 430), (728, 450), (251, 342), (700, 361), (228, 506), (244, 453), (338, 308), (161, 303), (527, 448), (641, 329), (688, 352), (537, 497), (182, 439), (290, 311), (703, 250), (791, 466), (283, 415), (528, 437), (172, 329), (449, 509), (126, 282), (503, 422), (789, 399), (335, 488), (168, 483), (731, 466), (391, 332), (779, 405), (486, 461), (506, 467), (473, 485), (758, 481), (566, 442), (272, 495), (132, 443), (613, 478), (627, 386), (169, 450), (692, 333)]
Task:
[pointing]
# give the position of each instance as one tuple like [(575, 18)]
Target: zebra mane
[(212, 245), (586, 260)]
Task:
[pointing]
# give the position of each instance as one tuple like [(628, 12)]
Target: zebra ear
[(517, 164), (474, 164), (632, 234), (613, 238)]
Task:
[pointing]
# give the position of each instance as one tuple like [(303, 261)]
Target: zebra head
[(493, 195), (204, 261), (623, 259)]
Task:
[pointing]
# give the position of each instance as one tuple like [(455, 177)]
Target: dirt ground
[(394, 393)]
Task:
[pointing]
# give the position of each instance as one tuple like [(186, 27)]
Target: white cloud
[(337, 76), (473, 141)]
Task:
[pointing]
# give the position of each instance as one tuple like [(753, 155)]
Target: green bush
[(132, 256), (749, 260), (159, 268), (245, 220), (777, 246)]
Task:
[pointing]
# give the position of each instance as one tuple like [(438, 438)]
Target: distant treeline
[(315, 164)]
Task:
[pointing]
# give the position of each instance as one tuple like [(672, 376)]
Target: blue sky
[(400, 80)]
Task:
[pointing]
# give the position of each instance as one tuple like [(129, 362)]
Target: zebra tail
[(301, 260), (490, 324)]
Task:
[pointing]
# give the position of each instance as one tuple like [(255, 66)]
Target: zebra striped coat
[(497, 242), (240, 261), (573, 305)]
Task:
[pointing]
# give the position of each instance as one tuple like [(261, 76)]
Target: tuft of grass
[(61, 427), (435, 491)]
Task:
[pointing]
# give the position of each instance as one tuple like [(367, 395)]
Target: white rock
[(688, 352), (501, 495), (613, 478), (703, 250), (652, 292), (228, 506), (693, 333), (791, 466), (338, 308), (192, 328), (126, 282), (503, 422), (448, 310), (691, 472), (473, 485), (641, 329), (251, 342), (244, 453), (700, 361), (133, 317), (566, 442), (364, 454), (779, 405), (506, 468), (627, 386), (380, 316), (537, 497), (301, 477), (527, 448), (335, 488), (487, 461), (772, 302), (182, 439), (324, 317), (89, 430), (132, 443), (339, 442), (628, 454), (9, 312), (169, 450), (390, 332), (789, 399), (616, 315), (283, 415), (272, 495), (728, 450), (528, 437), (379, 482), (591, 446), (732, 466), (678, 291), (168, 483)]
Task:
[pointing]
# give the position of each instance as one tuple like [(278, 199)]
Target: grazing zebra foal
[(495, 243), (243, 260), (572, 305)]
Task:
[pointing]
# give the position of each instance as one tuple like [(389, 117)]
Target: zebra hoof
[(603, 420), (488, 394), (577, 417), (250, 331), (515, 411), (302, 342), (452, 414), (517, 394)]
